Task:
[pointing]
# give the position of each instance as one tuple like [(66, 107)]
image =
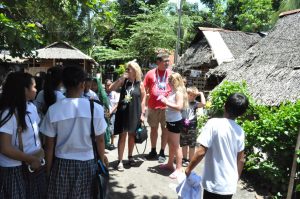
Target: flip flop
[(174, 175), (166, 167)]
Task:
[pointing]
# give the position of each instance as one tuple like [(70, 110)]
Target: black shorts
[(174, 127)]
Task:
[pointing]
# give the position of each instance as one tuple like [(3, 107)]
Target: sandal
[(120, 166), (166, 167), (132, 161), (174, 175)]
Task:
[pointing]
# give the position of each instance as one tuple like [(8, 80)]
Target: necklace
[(161, 82), (128, 96)]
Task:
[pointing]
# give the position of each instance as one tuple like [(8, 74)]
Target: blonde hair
[(175, 79), (194, 90), (136, 67)]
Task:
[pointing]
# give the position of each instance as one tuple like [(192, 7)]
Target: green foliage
[(150, 31), (272, 131), (219, 95), (19, 36), (250, 15), (121, 69), (245, 15), (287, 5)]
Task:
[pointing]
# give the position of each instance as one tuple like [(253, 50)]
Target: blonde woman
[(175, 102), (130, 110)]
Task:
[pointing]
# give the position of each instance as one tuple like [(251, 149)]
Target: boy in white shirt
[(87, 92), (222, 142), (67, 126)]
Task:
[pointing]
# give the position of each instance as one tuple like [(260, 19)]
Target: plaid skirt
[(35, 183), (73, 179), (12, 184)]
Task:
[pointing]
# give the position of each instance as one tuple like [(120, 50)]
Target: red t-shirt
[(156, 81)]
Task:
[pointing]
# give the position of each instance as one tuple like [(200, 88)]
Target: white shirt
[(172, 115), (30, 137), (90, 95), (69, 120), (113, 97), (224, 139), (40, 101)]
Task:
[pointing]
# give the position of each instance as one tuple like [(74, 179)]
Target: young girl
[(19, 140), (175, 102), (51, 92), (130, 111), (188, 135), (69, 155)]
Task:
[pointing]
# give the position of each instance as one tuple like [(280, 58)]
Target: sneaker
[(111, 147), (120, 166), (132, 161), (185, 162), (152, 155), (161, 158)]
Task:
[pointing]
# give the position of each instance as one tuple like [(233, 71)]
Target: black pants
[(209, 195)]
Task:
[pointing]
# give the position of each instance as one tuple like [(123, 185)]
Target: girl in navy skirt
[(69, 151), (19, 140)]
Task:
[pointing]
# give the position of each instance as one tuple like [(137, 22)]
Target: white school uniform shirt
[(39, 101), (90, 95), (224, 138), (30, 137), (69, 120), (113, 97), (172, 115)]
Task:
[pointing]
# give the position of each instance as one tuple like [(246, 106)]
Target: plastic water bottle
[(139, 130)]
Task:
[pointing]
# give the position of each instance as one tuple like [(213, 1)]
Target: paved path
[(147, 181)]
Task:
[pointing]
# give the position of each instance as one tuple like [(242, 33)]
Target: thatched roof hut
[(212, 47), (60, 53), (271, 68), (62, 50)]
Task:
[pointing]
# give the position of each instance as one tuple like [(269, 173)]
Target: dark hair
[(13, 97), (72, 76), (95, 80), (52, 81), (161, 56), (107, 80), (236, 104)]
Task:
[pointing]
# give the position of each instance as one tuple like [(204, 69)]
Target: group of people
[(46, 147)]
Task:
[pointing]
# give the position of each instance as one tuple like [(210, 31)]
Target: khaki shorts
[(156, 116)]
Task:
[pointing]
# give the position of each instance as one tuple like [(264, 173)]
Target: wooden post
[(84, 63), (293, 172)]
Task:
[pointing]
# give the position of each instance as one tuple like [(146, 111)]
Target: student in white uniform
[(51, 92), (176, 102), (67, 126), (19, 140), (87, 92), (222, 142)]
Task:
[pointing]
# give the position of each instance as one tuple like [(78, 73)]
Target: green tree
[(249, 15), (245, 15)]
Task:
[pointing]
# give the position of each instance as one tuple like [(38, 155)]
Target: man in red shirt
[(156, 84)]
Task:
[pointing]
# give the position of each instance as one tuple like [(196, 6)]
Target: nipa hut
[(59, 53), (271, 68), (210, 48), (9, 63)]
